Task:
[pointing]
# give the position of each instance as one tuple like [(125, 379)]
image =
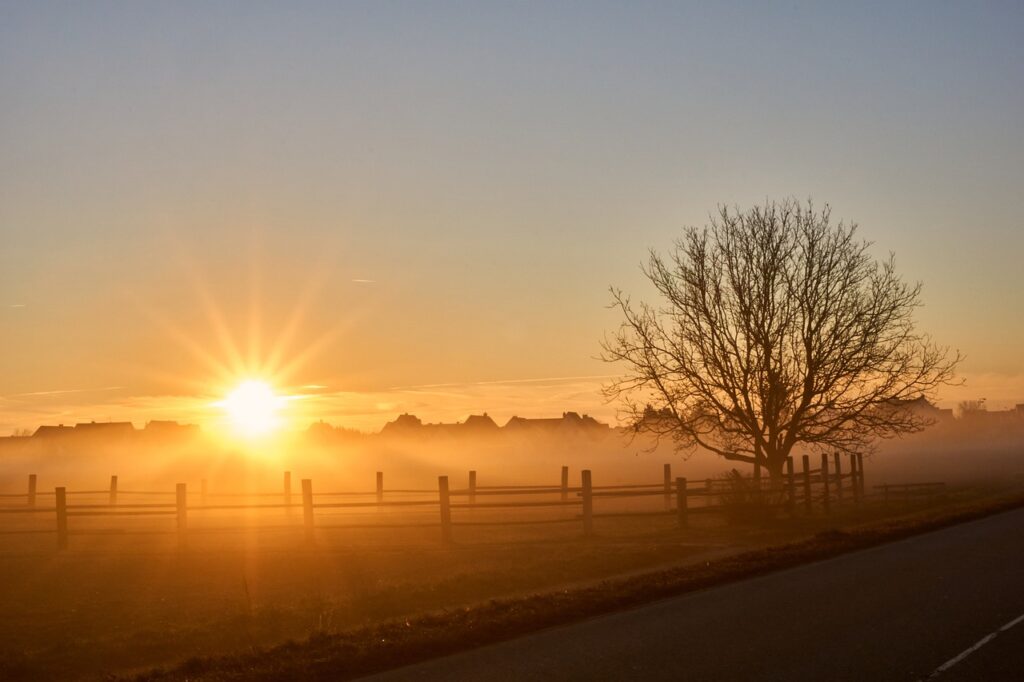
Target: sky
[(398, 206)]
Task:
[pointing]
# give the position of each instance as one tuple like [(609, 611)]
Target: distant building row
[(482, 424), (408, 425), (115, 431)]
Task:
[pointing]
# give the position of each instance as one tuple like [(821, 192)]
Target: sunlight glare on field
[(253, 408)]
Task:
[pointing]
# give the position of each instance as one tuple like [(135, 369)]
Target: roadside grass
[(113, 605), (402, 641)]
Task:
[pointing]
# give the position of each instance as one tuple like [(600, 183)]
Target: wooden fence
[(810, 491), (907, 492)]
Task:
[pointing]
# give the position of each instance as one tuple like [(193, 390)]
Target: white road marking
[(970, 650)]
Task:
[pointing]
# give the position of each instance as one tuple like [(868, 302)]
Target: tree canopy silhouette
[(775, 329)]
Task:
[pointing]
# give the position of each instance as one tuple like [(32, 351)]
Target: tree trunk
[(777, 471)]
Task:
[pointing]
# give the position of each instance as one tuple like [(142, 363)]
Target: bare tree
[(776, 329)]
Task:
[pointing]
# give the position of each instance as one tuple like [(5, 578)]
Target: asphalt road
[(900, 611)]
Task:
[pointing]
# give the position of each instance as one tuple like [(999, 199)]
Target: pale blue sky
[(492, 167)]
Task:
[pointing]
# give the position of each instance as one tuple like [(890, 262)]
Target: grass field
[(118, 604)]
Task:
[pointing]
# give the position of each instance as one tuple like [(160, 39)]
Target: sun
[(252, 407)]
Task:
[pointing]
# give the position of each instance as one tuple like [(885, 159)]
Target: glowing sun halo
[(252, 408)]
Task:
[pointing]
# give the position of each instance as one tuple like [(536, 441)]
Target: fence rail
[(810, 491)]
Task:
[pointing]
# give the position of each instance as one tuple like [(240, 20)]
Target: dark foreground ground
[(899, 611)]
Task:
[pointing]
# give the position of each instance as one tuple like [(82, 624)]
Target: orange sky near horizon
[(368, 411)]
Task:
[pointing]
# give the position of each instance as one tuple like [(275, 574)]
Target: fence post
[(472, 487), (287, 488), (181, 499), (839, 477), (790, 485), (860, 472), (380, 487), (854, 476), (825, 503), (202, 492), (446, 509), (681, 502), (32, 490), (667, 485), (808, 502), (758, 495), (62, 517), (113, 490), (307, 509), (588, 502), (565, 484)]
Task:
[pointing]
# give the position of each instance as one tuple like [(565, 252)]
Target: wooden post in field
[(380, 487), (808, 502), (854, 475), (565, 484), (203, 487), (681, 503), (286, 487), (472, 487), (757, 479), (62, 517), (588, 502), (181, 500), (860, 472), (824, 484), (790, 486), (839, 477), (113, 490), (446, 509), (667, 485), (307, 509), (31, 490)]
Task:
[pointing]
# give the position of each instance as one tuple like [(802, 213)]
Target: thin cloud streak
[(62, 391), (500, 382)]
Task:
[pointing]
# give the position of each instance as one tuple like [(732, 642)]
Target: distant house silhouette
[(53, 431), (169, 431), (320, 430), (90, 433), (479, 423), (923, 408), (108, 432), (988, 417), (654, 420), (569, 421), (404, 424), (409, 425)]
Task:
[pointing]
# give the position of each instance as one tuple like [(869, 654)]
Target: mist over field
[(976, 447)]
